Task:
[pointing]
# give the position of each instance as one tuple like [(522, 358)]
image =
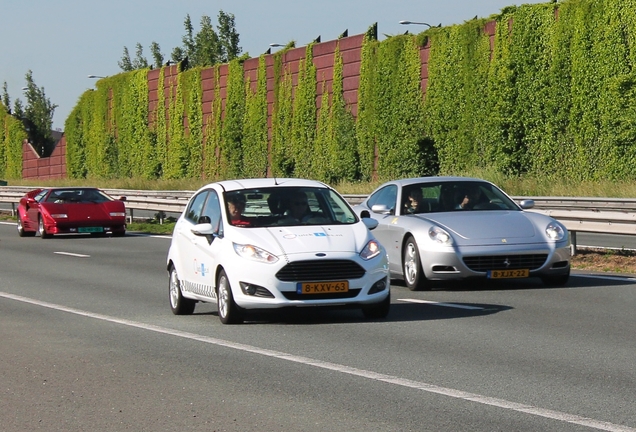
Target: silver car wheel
[(178, 303), (229, 312), (414, 276), (411, 264), (174, 289), (223, 305), (41, 232), (21, 231)]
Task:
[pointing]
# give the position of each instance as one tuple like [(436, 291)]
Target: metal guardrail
[(597, 215)]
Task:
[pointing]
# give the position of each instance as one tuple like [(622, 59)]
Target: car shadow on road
[(578, 280), (400, 312)]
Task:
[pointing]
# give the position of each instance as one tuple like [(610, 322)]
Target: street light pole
[(415, 23)]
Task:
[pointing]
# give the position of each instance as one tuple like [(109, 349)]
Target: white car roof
[(254, 183)]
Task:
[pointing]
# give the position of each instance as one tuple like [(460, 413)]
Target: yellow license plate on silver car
[(507, 274), (322, 287)]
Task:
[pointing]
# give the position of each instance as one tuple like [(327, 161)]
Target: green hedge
[(12, 135)]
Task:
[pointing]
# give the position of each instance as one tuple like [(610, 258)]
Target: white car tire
[(229, 311)]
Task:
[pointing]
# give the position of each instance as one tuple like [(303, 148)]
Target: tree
[(228, 38), (18, 109), (38, 116), (6, 101), (188, 39), (207, 50), (125, 64), (140, 62), (156, 55), (177, 54)]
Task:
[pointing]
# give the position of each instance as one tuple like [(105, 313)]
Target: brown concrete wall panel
[(324, 62), (351, 83), (351, 69), (324, 48), (351, 56), (351, 42), (32, 164), (294, 54)]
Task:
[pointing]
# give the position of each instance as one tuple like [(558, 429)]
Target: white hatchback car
[(273, 243)]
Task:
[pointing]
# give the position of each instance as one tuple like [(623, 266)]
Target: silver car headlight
[(59, 216), (440, 236), (372, 249), (254, 253), (554, 231), (117, 214)]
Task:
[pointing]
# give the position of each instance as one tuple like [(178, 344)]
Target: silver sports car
[(446, 228)]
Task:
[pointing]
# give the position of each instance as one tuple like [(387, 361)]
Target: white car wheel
[(229, 312), (178, 304)]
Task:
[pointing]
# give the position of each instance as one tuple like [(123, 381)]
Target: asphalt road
[(88, 343)]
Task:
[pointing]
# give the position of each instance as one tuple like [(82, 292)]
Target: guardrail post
[(131, 216), (572, 243), (12, 209)]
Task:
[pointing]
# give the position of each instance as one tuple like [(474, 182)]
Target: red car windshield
[(66, 196)]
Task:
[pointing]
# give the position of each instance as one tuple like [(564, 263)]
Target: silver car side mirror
[(381, 209), (526, 204)]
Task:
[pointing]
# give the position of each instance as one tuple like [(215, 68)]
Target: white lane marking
[(430, 388), (72, 254), (452, 305), (140, 234)]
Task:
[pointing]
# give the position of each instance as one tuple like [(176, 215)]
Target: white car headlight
[(372, 249), (254, 253), (555, 231), (117, 214), (440, 236), (59, 216)]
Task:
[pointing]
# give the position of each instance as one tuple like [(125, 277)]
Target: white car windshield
[(287, 206)]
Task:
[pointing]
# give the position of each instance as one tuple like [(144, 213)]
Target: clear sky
[(64, 41)]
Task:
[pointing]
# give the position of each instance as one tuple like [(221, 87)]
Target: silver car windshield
[(287, 206), (454, 196)]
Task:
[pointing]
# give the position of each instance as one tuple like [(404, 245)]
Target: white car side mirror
[(204, 229), (370, 223)]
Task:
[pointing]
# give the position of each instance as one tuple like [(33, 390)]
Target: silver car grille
[(505, 262), (320, 270)]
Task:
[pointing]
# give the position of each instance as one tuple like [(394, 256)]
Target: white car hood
[(495, 225), (290, 240)]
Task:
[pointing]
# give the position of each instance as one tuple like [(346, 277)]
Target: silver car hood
[(481, 226)]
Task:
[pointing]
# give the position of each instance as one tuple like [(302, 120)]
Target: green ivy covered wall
[(544, 89), (12, 135)]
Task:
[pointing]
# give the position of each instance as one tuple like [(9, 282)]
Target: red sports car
[(45, 212)]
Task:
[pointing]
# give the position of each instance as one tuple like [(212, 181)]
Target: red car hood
[(83, 211)]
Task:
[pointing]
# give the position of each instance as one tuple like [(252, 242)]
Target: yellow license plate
[(505, 274), (322, 287)]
